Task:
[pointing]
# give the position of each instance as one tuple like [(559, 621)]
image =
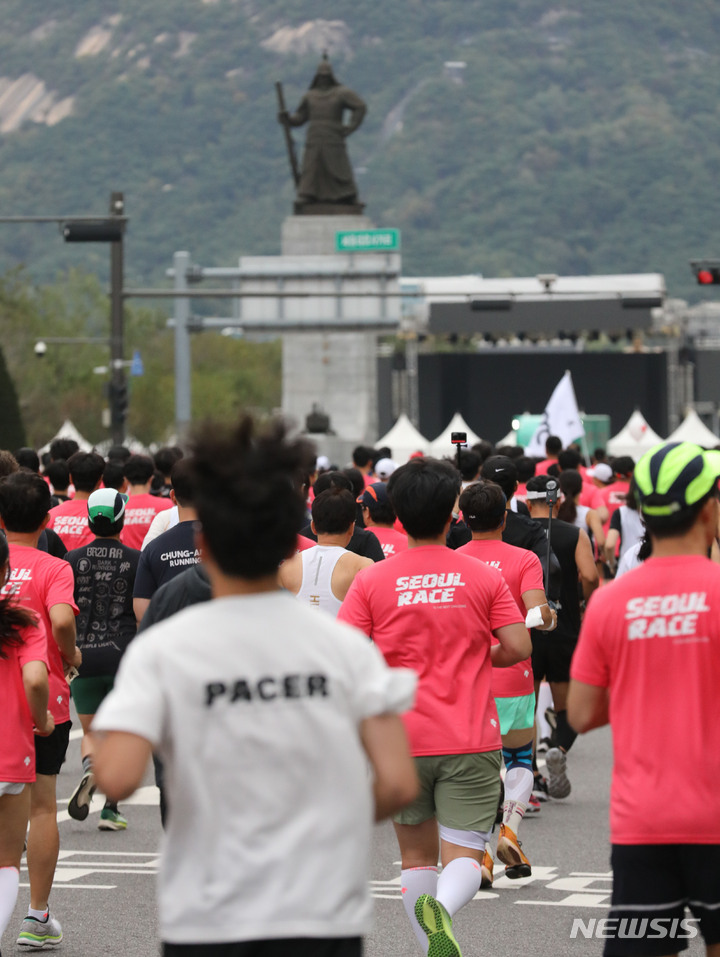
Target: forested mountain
[(578, 137)]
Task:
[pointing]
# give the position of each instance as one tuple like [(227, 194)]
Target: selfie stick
[(551, 497)]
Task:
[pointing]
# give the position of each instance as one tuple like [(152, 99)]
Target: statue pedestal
[(335, 371), (329, 209)]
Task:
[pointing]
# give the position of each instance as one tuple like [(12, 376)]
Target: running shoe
[(437, 924), (486, 869), (111, 820), (556, 763), (79, 803), (510, 853), (551, 718), (40, 933), (533, 805), (540, 787), (544, 744)]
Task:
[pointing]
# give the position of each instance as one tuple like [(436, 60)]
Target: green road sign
[(368, 241)]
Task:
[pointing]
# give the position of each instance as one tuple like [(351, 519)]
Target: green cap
[(675, 476), (108, 504)]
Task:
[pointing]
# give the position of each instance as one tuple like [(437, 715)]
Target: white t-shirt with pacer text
[(254, 703)]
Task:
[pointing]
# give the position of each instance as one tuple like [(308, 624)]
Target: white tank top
[(318, 566)]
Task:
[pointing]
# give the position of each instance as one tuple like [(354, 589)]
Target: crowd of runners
[(306, 647)]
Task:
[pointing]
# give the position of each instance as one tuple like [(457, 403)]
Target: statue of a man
[(326, 175)]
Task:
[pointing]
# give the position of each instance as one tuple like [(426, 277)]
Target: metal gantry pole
[(118, 382), (183, 364)]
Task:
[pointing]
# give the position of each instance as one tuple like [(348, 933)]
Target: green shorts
[(89, 693), (460, 790), (516, 714)]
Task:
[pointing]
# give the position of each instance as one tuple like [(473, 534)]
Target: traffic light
[(707, 272), (118, 394), (103, 231)]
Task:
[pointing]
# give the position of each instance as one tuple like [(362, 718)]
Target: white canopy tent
[(509, 439), (68, 431), (693, 429), (403, 439), (442, 445), (635, 438)]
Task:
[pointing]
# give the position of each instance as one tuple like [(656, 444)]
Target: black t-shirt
[(564, 539), (104, 577), (165, 557), (188, 588), (363, 542)]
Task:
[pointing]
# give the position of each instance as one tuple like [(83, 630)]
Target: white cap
[(384, 468), (322, 463), (601, 471)]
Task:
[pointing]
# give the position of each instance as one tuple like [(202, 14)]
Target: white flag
[(561, 417)]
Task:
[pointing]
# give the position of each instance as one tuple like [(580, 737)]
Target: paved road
[(104, 892)]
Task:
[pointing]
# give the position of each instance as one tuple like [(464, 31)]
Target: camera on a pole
[(551, 493)]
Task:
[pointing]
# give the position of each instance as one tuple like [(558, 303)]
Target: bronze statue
[(326, 177)]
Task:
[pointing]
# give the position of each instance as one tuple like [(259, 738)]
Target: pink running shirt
[(139, 513), (652, 637), (17, 742), (433, 610), (392, 541), (522, 572), (41, 581), (70, 521)]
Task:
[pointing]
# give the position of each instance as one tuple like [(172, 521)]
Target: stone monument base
[(328, 209), (337, 372)]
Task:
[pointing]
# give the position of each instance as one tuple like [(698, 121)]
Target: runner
[(321, 576), (24, 697), (553, 448), (142, 507), (43, 584), (551, 654), (69, 519), (648, 662), (379, 516), (104, 576), (436, 611), (483, 509), (363, 541), (172, 551), (285, 828)]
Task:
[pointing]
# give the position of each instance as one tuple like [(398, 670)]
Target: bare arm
[(395, 781), (535, 598), (62, 619), (119, 762), (35, 683), (345, 571), (515, 645), (592, 520), (587, 706), (613, 536), (585, 561), (140, 606), (290, 574)]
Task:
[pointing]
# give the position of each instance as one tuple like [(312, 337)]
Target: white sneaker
[(40, 933)]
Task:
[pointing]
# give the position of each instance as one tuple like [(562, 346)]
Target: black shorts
[(551, 655), (655, 883), (281, 947), (50, 752)]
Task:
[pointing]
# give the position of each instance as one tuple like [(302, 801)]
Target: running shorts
[(285, 947), (89, 693), (50, 751), (516, 714), (551, 655), (655, 883), (460, 790)]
